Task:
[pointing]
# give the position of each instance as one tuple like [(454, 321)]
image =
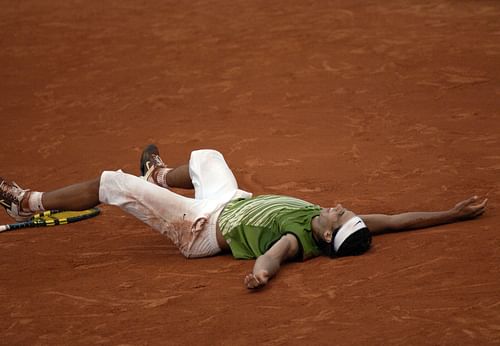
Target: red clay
[(382, 106)]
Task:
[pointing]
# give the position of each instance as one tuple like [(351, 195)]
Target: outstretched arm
[(267, 265), (465, 210)]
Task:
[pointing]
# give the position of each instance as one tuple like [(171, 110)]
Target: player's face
[(331, 219)]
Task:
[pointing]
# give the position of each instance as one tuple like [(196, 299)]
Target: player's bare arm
[(464, 210), (267, 265)]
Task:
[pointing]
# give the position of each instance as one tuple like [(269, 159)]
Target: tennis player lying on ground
[(222, 217)]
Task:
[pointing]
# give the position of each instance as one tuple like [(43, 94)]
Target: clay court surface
[(382, 106)]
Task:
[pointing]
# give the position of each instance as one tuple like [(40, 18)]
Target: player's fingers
[(465, 203), (250, 284), (480, 211), (484, 203), (253, 284), (251, 281), (481, 206), (247, 279), (471, 200)]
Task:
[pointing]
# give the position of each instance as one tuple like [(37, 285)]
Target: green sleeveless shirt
[(251, 226)]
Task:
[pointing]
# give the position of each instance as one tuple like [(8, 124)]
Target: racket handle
[(4, 228)]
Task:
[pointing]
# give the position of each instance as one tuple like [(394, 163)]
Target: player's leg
[(207, 172), (212, 178), (154, 170), (188, 222), (179, 177), (21, 204), (79, 196)]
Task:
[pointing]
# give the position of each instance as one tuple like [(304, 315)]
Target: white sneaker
[(11, 196)]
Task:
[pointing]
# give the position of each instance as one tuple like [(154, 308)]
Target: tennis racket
[(52, 218)]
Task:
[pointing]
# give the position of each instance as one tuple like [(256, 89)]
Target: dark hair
[(356, 244)]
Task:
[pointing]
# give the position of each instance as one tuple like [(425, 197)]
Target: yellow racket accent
[(53, 218)]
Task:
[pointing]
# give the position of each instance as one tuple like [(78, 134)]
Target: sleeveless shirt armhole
[(299, 255)]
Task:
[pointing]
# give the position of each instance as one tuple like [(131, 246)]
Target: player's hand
[(256, 280), (470, 208)]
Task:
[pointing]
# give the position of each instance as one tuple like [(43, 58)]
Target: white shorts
[(190, 223)]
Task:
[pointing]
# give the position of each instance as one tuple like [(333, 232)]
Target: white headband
[(351, 226)]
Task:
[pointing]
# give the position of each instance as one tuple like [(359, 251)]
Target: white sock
[(161, 177), (35, 201)]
